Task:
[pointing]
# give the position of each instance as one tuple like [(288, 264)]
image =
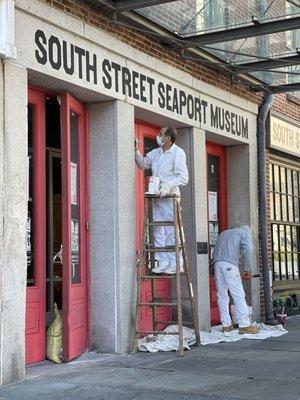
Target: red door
[(146, 136), (36, 232), (217, 210), (74, 234)]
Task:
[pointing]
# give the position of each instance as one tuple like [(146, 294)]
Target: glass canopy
[(259, 38)]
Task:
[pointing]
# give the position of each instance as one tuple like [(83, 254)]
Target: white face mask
[(159, 141)]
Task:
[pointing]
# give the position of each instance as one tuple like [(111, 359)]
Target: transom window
[(285, 220)]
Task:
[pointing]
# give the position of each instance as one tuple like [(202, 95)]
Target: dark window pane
[(294, 239), (271, 176), (290, 265), (283, 208), (276, 178), (276, 274), (75, 228), (291, 208), (296, 209), (296, 266), (277, 207), (149, 145), (282, 238), (283, 266), (275, 238), (295, 183), (213, 173), (288, 239), (282, 180), (289, 181), (29, 241), (272, 206)]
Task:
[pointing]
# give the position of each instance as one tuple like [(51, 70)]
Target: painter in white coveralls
[(168, 163), (233, 246)]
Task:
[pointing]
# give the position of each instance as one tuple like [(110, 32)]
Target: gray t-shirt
[(234, 244)]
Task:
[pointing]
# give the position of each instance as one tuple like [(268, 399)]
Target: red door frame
[(74, 295), (220, 152), (163, 288), (35, 327)]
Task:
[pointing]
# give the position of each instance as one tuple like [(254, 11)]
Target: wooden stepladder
[(144, 273)]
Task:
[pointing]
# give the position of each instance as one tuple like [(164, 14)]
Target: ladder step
[(155, 196), (166, 249), (160, 276), (156, 333), (158, 304), (185, 323), (145, 277), (161, 223)]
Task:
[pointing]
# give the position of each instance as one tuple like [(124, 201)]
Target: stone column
[(112, 243), (13, 219), (194, 212), (243, 207)]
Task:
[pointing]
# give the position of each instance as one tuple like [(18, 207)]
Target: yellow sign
[(284, 136)]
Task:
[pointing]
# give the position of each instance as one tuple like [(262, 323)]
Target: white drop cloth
[(216, 335), (153, 344)]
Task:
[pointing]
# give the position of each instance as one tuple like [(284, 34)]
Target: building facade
[(77, 93)]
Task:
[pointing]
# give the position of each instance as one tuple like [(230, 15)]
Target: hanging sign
[(284, 135)]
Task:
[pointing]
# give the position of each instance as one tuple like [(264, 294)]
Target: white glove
[(164, 190)]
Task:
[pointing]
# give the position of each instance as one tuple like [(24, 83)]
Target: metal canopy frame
[(270, 63), (291, 87), (258, 28), (124, 14), (125, 5)]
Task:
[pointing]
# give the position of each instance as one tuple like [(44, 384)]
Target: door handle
[(73, 270)]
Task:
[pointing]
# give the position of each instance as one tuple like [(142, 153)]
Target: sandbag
[(54, 338)]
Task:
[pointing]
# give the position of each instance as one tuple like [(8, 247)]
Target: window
[(285, 224)]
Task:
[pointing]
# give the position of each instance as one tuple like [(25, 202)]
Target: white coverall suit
[(170, 167)]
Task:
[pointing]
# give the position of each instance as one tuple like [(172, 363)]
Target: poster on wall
[(213, 233), (73, 184), (213, 206), (74, 236)]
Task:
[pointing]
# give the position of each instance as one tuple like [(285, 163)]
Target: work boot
[(227, 329), (251, 329)]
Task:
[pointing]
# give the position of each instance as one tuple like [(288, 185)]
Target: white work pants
[(164, 235), (228, 278)]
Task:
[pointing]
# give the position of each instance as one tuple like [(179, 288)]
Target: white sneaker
[(172, 269), (162, 266)]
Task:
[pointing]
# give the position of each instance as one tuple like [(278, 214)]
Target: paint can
[(153, 185)]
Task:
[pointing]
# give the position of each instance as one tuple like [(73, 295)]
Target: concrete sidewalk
[(249, 369)]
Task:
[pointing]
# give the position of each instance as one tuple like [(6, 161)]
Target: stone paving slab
[(260, 389), (249, 369)]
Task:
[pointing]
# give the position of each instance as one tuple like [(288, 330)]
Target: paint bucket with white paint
[(153, 185)]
